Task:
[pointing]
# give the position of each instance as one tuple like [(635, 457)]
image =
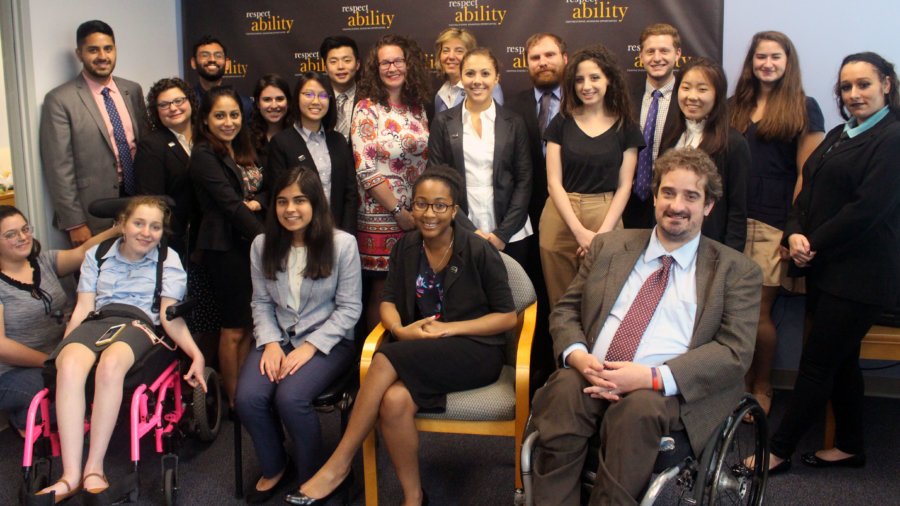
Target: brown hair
[(785, 116), (167, 84), (242, 145), (480, 51), (885, 70), (662, 29), (615, 100), (534, 39), (694, 160), (416, 88), (149, 201), (715, 130)]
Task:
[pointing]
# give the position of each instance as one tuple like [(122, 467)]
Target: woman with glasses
[(450, 48), (271, 113), (33, 308), (389, 135), (162, 157), (313, 142), (448, 304)]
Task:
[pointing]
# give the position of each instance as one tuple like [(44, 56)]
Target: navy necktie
[(645, 157), (121, 144), (544, 112)]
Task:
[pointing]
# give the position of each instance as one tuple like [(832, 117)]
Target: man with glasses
[(341, 57), (89, 130), (209, 59)]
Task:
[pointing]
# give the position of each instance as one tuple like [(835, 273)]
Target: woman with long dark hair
[(306, 301), (271, 113)]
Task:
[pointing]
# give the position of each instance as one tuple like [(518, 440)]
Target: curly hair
[(615, 100), (694, 160), (416, 91), (165, 84), (258, 125), (7, 211)]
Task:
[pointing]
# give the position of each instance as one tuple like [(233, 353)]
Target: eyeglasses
[(178, 102), (399, 63), (309, 95), (438, 207), (12, 235)]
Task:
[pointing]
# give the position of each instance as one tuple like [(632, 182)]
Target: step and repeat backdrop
[(283, 36)]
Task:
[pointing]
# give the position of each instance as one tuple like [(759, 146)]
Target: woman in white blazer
[(306, 301)]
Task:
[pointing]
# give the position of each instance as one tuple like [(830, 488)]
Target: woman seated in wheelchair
[(32, 308), (113, 326), (307, 286), (447, 303)]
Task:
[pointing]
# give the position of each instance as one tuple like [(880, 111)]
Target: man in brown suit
[(690, 344)]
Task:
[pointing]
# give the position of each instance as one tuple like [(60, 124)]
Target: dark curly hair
[(257, 124), (416, 90), (616, 100), (7, 211), (165, 84)]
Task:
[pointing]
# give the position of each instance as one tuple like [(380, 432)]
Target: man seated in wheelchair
[(113, 326), (654, 335)]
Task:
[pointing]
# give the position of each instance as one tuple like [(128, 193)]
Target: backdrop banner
[(283, 36)]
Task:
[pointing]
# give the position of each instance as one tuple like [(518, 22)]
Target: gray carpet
[(473, 470)]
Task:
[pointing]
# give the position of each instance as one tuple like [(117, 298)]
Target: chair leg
[(370, 472)]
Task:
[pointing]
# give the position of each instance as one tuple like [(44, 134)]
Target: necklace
[(440, 264)]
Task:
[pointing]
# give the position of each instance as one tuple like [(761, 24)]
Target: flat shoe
[(856, 461), (58, 498), (96, 491), (781, 468), (300, 499), (255, 496)]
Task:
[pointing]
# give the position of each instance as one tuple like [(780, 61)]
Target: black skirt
[(432, 368)]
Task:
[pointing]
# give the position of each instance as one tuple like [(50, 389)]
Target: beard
[(549, 78), (207, 76)]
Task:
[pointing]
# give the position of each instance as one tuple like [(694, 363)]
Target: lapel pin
[(171, 144), (301, 158), (453, 269)]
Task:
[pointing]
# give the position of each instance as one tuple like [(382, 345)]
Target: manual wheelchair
[(719, 476)]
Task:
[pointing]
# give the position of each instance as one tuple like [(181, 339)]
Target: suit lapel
[(84, 92), (173, 144), (235, 171), (501, 138), (126, 97), (707, 262)]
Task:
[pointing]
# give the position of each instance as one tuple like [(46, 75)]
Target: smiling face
[(658, 56), (341, 66), (97, 54), (680, 206), (546, 63), (479, 77), (16, 238), (590, 83), (294, 211), (224, 120), (171, 114), (392, 68), (209, 62), (450, 58), (769, 62), (696, 95), (863, 89), (141, 231), (313, 107), (430, 223), (272, 104)]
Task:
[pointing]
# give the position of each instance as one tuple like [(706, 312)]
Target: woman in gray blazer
[(306, 300)]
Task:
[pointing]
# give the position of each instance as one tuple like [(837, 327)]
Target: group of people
[(658, 224)]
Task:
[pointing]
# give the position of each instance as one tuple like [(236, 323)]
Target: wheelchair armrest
[(180, 309), (373, 342)]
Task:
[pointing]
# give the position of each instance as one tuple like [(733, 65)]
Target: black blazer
[(849, 210), (727, 222), (512, 165), (475, 283), (524, 104), (226, 219), (161, 168), (287, 149)]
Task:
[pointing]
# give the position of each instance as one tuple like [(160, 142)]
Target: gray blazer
[(329, 307), (77, 154), (710, 375)]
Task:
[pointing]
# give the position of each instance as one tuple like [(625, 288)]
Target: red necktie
[(628, 336)]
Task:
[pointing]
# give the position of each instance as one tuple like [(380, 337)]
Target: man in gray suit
[(654, 335), (89, 131)]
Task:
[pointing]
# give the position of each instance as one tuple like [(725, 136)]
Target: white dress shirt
[(693, 134)]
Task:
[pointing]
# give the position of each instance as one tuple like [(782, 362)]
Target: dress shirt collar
[(348, 93), (114, 252), (489, 114), (684, 256), (557, 93), (852, 128), (666, 89), (307, 134), (185, 143), (97, 88)]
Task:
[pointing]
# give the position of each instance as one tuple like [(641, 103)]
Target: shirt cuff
[(670, 388), (568, 351)]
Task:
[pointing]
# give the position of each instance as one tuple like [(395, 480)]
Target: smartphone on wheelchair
[(110, 335)]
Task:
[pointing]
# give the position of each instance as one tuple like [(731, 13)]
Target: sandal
[(58, 498), (96, 491), (765, 402)]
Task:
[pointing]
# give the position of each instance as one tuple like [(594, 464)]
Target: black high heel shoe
[(298, 498)]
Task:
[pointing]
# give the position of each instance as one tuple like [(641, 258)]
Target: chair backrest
[(523, 296)]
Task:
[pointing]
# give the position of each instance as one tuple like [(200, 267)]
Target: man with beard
[(89, 131), (209, 61), (547, 58), (654, 335), (341, 57), (660, 53)]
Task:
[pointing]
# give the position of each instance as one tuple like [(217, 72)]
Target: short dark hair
[(208, 39), (445, 174), (694, 160), (91, 27), (330, 118), (336, 41)]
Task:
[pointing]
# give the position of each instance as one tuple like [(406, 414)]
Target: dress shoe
[(810, 459), (54, 497), (255, 496), (300, 499), (781, 468)]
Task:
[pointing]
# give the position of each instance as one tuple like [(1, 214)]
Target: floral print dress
[(389, 145)]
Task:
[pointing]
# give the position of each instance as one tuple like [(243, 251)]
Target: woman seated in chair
[(112, 327), (447, 303), (32, 308), (307, 285)]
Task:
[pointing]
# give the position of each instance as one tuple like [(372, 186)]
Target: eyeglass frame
[(177, 102), (425, 205), (398, 63), (12, 235), (309, 95)]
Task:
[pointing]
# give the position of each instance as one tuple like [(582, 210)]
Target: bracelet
[(655, 383), (396, 210)]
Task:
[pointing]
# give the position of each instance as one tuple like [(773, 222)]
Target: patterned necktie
[(343, 125), (645, 157), (627, 337), (121, 144), (544, 113)]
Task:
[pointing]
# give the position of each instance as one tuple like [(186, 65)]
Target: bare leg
[(114, 363), (373, 316), (760, 373), (73, 364), (233, 347), (398, 428), (380, 377)]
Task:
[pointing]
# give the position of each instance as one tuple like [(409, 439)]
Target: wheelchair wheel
[(729, 481), (207, 407), (169, 487)]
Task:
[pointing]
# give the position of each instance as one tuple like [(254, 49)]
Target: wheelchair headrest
[(110, 208)]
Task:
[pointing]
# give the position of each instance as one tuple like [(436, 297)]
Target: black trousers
[(829, 370)]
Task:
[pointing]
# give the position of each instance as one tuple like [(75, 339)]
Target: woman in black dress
[(447, 303)]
